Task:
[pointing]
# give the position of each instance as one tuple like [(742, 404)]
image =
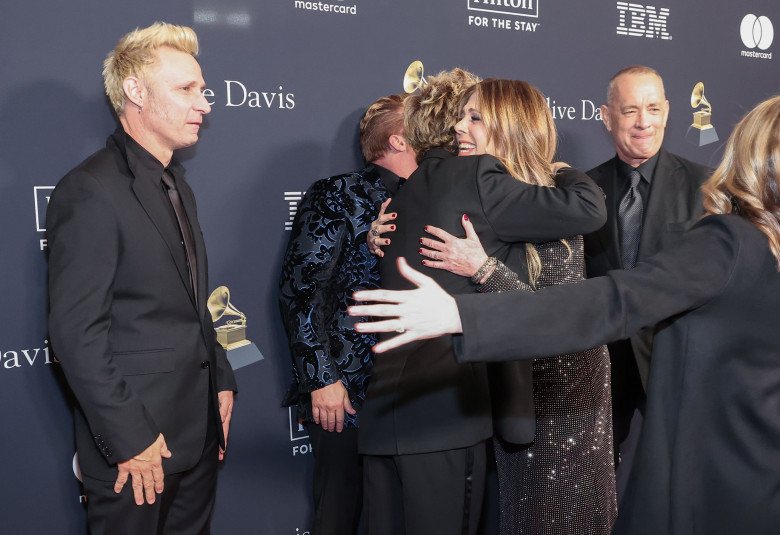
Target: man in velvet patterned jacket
[(327, 259)]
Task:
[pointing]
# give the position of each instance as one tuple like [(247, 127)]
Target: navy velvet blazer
[(327, 259)]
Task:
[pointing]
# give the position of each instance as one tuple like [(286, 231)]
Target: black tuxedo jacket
[(419, 399), (136, 350), (674, 206), (707, 461)]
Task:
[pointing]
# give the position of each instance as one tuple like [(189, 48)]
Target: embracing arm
[(467, 257), (521, 212), (379, 226), (502, 279)]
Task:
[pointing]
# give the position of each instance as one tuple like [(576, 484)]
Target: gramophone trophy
[(233, 333), (701, 132), (413, 77)]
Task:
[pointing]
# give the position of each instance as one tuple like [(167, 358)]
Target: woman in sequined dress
[(563, 483)]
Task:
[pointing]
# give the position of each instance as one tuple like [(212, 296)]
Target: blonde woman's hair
[(746, 181), (431, 114), (135, 54), (520, 126)]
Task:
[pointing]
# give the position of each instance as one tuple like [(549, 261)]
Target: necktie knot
[(168, 180), (635, 177)]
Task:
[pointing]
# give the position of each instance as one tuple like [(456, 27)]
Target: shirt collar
[(646, 169), (389, 179), (141, 162)]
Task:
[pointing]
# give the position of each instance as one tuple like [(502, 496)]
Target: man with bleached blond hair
[(128, 290)]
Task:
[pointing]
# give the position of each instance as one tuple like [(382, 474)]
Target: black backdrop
[(289, 81)]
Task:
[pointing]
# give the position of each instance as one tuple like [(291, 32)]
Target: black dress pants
[(628, 394), (428, 493), (184, 507), (338, 481)]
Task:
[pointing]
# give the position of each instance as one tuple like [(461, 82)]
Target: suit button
[(204, 364)]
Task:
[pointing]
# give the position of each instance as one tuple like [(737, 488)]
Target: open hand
[(426, 312)]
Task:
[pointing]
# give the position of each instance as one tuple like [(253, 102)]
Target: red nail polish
[(387, 242), (393, 215), (392, 227), (465, 217), (419, 251), (421, 241), (426, 228)]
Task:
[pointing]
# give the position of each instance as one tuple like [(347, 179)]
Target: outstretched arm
[(521, 212), (560, 319), (426, 312)]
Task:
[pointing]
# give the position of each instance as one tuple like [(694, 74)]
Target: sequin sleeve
[(501, 280)]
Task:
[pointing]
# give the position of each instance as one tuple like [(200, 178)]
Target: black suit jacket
[(419, 399), (136, 351), (674, 205), (707, 462)]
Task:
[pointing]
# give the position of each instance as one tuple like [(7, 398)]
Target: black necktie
[(184, 227), (630, 220)]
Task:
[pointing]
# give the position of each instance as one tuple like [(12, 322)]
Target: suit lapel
[(608, 234), (663, 198)]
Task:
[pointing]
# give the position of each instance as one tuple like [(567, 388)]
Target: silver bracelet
[(477, 277)]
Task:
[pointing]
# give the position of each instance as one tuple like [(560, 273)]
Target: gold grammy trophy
[(413, 77), (701, 132), (233, 333)]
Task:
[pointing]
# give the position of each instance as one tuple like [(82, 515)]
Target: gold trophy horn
[(413, 77), (233, 333), (697, 98), (701, 132)]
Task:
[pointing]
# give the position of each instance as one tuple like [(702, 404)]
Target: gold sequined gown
[(564, 482)]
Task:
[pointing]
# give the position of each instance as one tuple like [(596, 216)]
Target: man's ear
[(397, 143), (134, 90)]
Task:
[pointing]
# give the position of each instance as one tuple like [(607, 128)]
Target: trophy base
[(231, 336), (234, 345), (701, 136), (244, 355)]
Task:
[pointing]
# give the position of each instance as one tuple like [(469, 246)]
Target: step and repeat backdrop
[(288, 81)]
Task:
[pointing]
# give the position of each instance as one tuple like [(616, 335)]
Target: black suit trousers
[(184, 507), (338, 480), (421, 494)]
